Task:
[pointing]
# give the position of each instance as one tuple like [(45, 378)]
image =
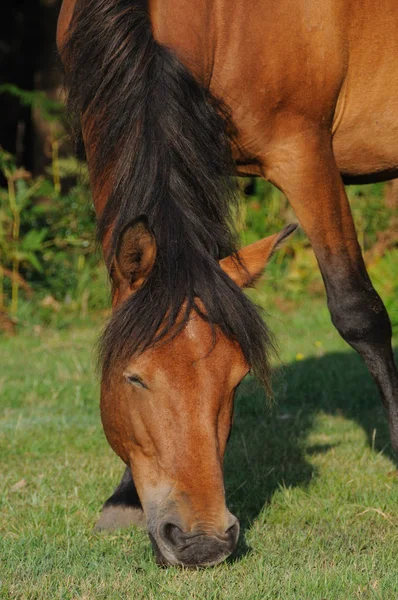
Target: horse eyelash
[(135, 380)]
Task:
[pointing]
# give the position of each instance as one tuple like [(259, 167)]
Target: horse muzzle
[(201, 547)]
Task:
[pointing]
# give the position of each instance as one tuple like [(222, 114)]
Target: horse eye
[(135, 380)]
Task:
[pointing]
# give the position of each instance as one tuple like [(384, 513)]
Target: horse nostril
[(172, 534), (232, 533)]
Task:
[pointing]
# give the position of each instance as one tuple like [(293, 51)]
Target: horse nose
[(199, 547)]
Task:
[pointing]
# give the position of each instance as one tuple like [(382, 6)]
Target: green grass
[(312, 480)]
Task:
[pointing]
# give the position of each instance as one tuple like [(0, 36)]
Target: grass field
[(312, 480)]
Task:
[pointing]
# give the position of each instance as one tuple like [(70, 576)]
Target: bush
[(47, 238)]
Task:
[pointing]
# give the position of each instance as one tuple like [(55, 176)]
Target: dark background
[(28, 59)]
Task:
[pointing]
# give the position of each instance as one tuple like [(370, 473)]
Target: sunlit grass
[(312, 479)]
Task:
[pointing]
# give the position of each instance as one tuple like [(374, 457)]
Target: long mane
[(165, 141)]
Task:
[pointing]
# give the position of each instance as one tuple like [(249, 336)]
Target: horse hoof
[(120, 517)]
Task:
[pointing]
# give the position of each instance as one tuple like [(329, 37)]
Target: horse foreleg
[(305, 169), (123, 508)]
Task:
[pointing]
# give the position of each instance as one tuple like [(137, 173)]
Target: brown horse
[(173, 97)]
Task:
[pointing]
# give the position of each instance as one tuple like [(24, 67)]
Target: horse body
[(287, 67), (312, 90)]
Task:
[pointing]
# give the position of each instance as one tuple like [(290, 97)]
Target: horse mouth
[(197, 550)]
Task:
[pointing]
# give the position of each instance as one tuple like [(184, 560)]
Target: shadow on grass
[(266, 449)]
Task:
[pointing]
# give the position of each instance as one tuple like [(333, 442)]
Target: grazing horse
[(173, 97)]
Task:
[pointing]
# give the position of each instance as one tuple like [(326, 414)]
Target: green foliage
[(47, 230), (51, 110), (264, 211), (47, 239), (371, 215), (17, 249), (384, 274)]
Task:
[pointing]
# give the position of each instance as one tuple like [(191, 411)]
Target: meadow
[(311, 476)]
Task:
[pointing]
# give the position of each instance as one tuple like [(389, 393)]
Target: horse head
[(167, 410)]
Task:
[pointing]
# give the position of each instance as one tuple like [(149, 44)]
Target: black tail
[(165, 142)]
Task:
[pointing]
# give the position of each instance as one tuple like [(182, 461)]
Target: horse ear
[(247, 266), (135, 254)]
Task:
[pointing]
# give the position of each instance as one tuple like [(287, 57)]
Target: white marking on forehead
[(190, 329)]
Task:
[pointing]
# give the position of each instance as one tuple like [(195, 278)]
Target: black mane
[(165, 141)]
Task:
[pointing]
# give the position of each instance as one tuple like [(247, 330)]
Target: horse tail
[(167, 141)]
